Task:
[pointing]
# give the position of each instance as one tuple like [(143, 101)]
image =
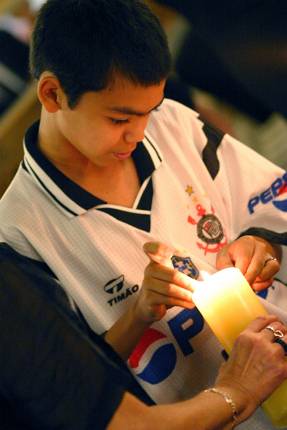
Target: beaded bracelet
[(228, 399)]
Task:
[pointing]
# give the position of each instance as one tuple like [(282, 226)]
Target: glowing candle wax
[(228, 304)]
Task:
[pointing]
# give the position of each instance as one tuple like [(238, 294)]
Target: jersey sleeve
[(254, 192)]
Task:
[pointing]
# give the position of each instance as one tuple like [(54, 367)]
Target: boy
[(104, 173)]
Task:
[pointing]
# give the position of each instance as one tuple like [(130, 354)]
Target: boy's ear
[(50, 93)]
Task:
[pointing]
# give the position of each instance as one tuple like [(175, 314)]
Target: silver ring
[(269, 259), (276, 333), (281, 343)]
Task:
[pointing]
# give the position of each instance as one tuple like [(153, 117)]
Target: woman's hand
[(257, 259), (256, 367), (163, 286)]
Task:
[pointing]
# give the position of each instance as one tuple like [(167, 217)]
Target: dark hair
[(85, 43)]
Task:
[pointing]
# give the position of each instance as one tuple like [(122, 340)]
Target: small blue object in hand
[(185, 265)]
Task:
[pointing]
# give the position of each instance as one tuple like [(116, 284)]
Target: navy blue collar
[(72, 197)]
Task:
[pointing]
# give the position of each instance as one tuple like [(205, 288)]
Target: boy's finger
[(158, 252), (170, 290), (224, 260), (169, 275)]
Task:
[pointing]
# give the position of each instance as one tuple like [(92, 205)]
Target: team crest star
[(189, 190)]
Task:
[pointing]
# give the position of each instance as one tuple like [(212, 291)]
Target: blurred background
[(18, 102), (230, 64)]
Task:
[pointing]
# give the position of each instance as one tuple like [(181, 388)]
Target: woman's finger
[(261, 322)]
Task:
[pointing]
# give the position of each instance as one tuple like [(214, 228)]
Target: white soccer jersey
[(199, 190)]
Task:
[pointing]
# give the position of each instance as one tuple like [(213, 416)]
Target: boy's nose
[(135, 133)]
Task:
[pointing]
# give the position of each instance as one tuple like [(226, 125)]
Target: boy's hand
[(163, 286), (257, 259)]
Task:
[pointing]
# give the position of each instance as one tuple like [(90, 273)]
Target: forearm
[(206, 411), (125, 334)]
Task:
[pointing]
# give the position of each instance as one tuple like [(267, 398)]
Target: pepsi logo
[(154, 358), (276, 194), (281, 203)]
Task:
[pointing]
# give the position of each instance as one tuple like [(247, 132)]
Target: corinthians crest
[(209, 230)]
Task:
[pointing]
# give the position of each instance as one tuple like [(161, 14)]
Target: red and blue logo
[(281, 203), (276, 194), (154, 358)]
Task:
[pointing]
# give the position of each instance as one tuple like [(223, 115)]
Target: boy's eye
[(118, 121)]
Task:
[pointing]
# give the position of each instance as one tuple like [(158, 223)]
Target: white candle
[(228, 304)]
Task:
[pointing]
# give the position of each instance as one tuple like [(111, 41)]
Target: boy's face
[(106, 126)]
